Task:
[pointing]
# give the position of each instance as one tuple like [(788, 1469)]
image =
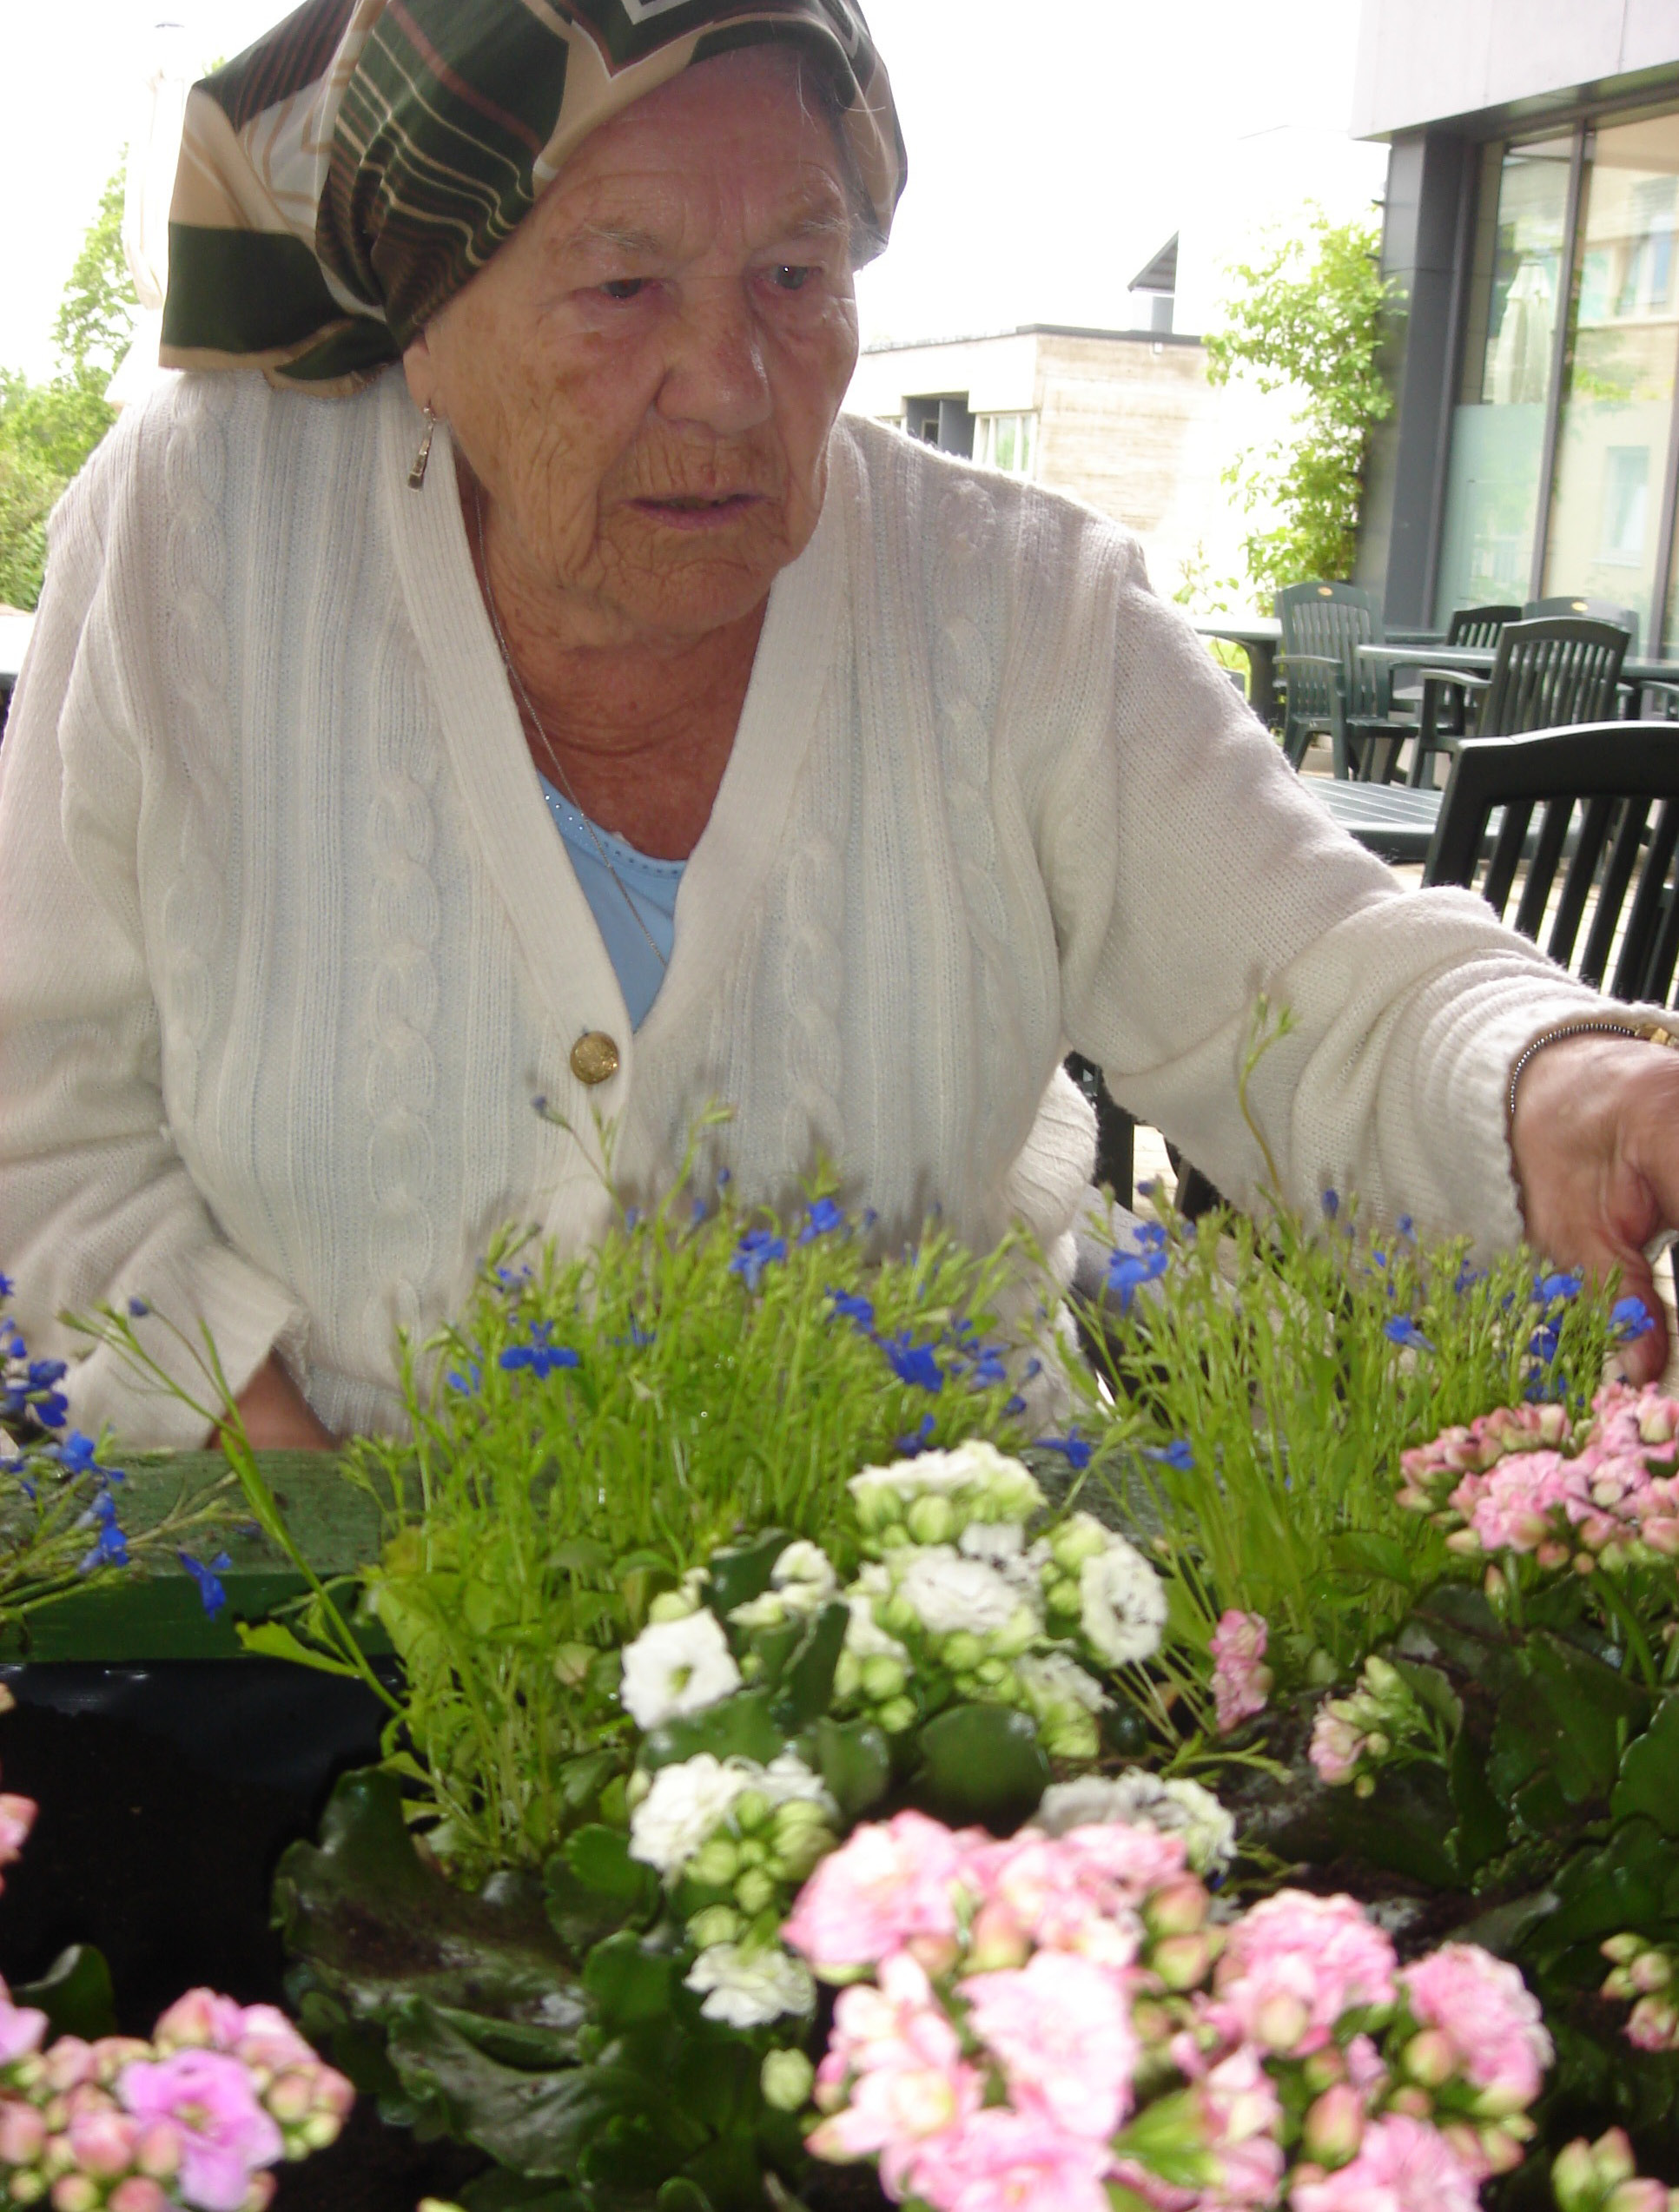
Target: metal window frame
[(1568, 269)]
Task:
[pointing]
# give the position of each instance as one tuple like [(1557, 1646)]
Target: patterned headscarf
[(350, 172)]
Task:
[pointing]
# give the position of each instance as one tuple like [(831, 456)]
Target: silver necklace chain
[(537, 724)]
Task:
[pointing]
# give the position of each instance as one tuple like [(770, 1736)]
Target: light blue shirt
[(652, 884)]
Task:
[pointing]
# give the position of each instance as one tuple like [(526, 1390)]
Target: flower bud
[(1323, 2068), (1500, 2151), (962, 1651), (1574, 2172), (1623, 1949), (996, 1940), (74, 2192), (883, 1678), (756, 1888), (26, 2188), (1654, 2024), (102, 2143), (1430, 2057), (1181, 1962), (934, 1955), (1078, 1539), (785, 2078), (1074, 1736), (716, 1863), (322, 2128), (137, 2194), (751, 1811), (896, 1716), (1335, 2125), (1414, 2102), (1176, 1909), (715, 1924), (289, 2098), (1651, 1970), (1063, 1597), (157, 2150), (931, 1520), (1280, 2022), (573, 1661), (798, 1857), (1637, 2195), (22, 2131), (259, 2194)]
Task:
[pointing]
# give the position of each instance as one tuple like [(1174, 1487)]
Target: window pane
[(1498, 429), (1618, 402)]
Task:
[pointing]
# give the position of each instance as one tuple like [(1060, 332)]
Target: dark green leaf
[(75, 1993), (1432, 1691), (854, 1760), (741, 1728), (810, 1679), (744, 1571), (580, 1556), (982, 1762), (1561, 1724), (1649, 1772), (680, 2194), (600, 1859), (1481, 1831), (535, 2124), (1361, 1551), (501, 2191), (628, 1981)]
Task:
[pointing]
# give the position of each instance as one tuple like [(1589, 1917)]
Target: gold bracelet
[(1648, 1033)]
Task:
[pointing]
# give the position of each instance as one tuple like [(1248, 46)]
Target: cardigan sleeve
[(96, 1205), (1190, 873)]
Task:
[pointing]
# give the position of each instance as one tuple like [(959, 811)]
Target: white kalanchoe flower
[(1054, 1683), (947, 1593), (1002, 1544), (675, 1667), (787, 1779), (864, 1637), (1142, 1799), (1122, 1603), (685, 1806), (805, 1576), (747, 1988)]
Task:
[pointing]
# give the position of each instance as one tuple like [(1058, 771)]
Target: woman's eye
[(791, 276), (622, 287)]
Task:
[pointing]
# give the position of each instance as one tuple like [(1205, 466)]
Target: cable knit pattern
[(402, 1005), (264, 785), (195, 647)]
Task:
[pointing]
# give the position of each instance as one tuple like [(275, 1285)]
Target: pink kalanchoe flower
[(201, 2020), (1513, 1507), (1336, 1747), (102, 2143), (1403, 2165), (1489, 2013), (1078, 1892), (1059, 2027), (1001, 2161), (888, 1884), (23, 2132), (1295, 1963), (20, 2029), (226, 2137), (896, 2060), (16, 1818), (1241, 1681)]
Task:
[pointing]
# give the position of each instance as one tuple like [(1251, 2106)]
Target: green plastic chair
[(1329, 690)]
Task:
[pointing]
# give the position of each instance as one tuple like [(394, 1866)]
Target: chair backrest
[(1549, 672), (1329, 619), (1622, 778), (1480, 625), (1591, 609)]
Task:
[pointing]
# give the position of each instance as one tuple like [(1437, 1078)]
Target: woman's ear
[(420, 372)]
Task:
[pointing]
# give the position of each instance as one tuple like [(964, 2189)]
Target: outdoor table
[(1476, 660), (1258, 636), (1390, 820)]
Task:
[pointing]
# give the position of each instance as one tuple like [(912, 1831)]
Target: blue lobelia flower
[(1331, 1203), (1071, 1447), (7, 1286), (110, 1548), (1176, 1454), (852, 1307), (1467, 1277), (138, 1309), (757, 1249), (76, 1454), (1542, 1344), (1401, 1329), (1407, 1229), (912, 1363), (1013, 1407), (822, 1219), (1630, 1319), (1128, 1271), (1550, 1290), (208, 1578), (541, 1354), (465, 1380), (918, 1441)]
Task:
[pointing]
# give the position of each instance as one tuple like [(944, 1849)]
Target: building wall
[(1126, 422), (1431, 60)]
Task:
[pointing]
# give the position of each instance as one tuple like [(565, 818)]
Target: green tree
[(1307, 317), (47, 430)]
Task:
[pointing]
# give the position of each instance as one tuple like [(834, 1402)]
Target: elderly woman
[(582, 709)]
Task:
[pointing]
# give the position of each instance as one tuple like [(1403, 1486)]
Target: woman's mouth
[(699, 510)]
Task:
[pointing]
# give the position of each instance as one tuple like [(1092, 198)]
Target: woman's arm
[(97, 1204)]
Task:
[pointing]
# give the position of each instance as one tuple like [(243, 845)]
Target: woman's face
[(645, 377)]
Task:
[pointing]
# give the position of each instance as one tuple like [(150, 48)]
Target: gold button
[(594, 1057)]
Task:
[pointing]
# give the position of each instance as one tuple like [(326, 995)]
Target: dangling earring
[(417, 473)]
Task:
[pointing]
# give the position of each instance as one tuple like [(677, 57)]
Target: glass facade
[(1563, 451), (1498, 426)]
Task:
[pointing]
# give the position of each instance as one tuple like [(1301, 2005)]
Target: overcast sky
[(1046, 166)]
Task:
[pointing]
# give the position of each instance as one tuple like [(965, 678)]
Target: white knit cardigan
[(288, 944)]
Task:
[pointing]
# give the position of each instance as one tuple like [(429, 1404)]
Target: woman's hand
[(1596, 1147), (277, 1416)]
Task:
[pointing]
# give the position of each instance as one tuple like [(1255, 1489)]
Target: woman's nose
[(715, 374)]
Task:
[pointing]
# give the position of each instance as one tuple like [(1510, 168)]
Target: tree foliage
[(47, 430), (1306, 318)]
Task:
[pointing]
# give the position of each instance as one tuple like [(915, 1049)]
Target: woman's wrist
[(1648, 1033)]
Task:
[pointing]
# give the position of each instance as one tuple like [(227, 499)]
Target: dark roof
[(1162, 274)]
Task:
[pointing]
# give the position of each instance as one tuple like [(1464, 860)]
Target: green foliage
[(592, 1430), (1286, 1367), (1306, 318), (47, 430)]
